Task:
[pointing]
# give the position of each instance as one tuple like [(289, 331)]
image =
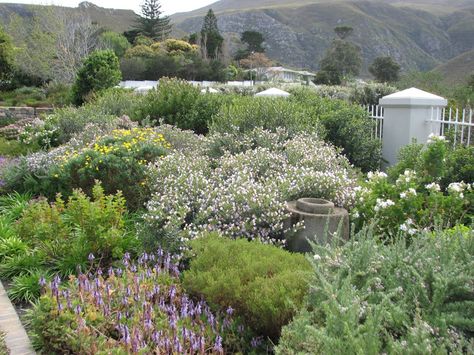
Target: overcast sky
[(168, 6)]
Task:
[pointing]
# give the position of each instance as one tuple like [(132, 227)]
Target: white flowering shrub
[(243, 194), (411, 204)]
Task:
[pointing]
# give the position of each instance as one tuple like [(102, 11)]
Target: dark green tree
[(254, 40), (211, 39), (343, 31), (101, 70), (342, 59), (150, 23), (385, 69), (6, 57)]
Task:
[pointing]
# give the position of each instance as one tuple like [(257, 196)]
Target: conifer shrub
[(101, 70), (262, 283), (406, 297)]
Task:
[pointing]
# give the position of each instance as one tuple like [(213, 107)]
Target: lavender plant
[(137, 308)]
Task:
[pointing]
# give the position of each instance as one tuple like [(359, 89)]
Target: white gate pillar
[(407, 116)]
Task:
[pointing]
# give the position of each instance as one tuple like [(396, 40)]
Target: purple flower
[(230, 310), (42, 281), (218, 345), (91, 257)]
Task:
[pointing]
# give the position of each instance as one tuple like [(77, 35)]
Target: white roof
[(134, 84), (210, 91), (413, 97), (273, 92)]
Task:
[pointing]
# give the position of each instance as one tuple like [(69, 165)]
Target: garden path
[(15, 335)]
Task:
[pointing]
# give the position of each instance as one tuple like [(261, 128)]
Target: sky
[(168, 6)]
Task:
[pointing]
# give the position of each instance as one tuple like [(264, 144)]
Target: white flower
[(356, 214), (317, 257), (456, 187), (382, 204), (433, 187), (376, 175), (434, 138)]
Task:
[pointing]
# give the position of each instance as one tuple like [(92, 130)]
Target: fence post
[(407, 116)]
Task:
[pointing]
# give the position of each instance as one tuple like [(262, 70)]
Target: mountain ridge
[(298, 34)]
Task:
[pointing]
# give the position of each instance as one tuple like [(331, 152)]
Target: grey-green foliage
[(403, 298), (246, 113)]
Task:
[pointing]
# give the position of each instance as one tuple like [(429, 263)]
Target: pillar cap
[(413, 97)]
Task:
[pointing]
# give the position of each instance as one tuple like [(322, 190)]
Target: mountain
[(115, 20), (458, 69), (419, 34)]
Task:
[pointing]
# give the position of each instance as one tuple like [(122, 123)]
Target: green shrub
[(101, 70), (244, 114), (402, 298), (370, 94), (351, 129), (61, 236), (180, 104), (118, 160), (263, 283)]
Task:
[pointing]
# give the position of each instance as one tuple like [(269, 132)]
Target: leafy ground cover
[(3, 347)]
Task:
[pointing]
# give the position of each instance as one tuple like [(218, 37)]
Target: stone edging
[(16, 339)]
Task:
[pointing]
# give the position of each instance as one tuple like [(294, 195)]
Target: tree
[(211, 39), (257, 62), (343, 31), (114, 41), (254, 41), (151, 24), (342, 59), (53, 43), (385, 69), (6, 57), (101, 70), (329, 75)]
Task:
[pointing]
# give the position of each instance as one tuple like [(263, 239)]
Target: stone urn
[(321, 221)]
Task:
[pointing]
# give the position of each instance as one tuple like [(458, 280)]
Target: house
[(284, 75)]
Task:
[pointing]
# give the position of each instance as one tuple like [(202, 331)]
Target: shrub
[(102, 111), (245, 194), (181, 104), (263, 283), (247, 113), (370, 94), (141, 51), (117, 159), (351, 129), (411, 204), (138, 308), (100, 71), (409, 297), (437, 161), (60, 236)]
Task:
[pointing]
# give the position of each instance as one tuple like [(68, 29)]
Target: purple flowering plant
[(138, 308)]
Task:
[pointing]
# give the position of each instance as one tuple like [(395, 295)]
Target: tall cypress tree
[(150, 23), (211, 39)]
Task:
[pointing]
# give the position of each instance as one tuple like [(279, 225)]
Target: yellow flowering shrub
[(117, 159)]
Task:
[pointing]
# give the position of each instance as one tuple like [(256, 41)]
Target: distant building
[(283, 75)]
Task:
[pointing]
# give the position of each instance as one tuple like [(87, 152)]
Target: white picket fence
[(458, 124), (455, 123), (376, 113)]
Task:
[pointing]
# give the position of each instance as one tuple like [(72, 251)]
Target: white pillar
[(407, 116)]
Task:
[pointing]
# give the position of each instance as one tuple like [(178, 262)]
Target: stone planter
[(321, 219)]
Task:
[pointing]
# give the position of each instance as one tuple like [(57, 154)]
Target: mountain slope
[(458, 69), (115, 20), (298, 33)]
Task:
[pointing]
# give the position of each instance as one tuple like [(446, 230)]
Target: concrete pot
[(318, 216)]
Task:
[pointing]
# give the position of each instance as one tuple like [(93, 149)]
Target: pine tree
[(150, 23), (211, 39)]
